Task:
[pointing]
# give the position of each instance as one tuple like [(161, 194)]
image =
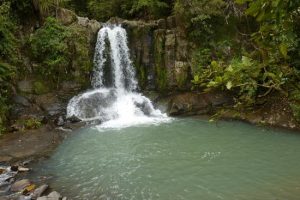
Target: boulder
[(65, 16), (60, 121), (25, 86), (74, 119), (20, 185), (20, 100), (92, 25), (52, 196), (39, 191)]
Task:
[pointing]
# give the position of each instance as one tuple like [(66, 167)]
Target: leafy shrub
[(32, 123), (58, 49)]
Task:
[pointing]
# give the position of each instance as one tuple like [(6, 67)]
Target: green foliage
[(49, 47), (44, 6), (150, 9), (40, 88), (32, 123), (257, 62), (200, 17), (8, 41), (60, 50), (8, 54)]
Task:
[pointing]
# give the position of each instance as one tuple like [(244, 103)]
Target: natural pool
[(184, 159)]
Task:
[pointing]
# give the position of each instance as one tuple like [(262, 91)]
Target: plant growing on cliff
[(59, 50), (50, 48)]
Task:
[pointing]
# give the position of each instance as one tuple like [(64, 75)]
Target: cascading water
[(114, 100)]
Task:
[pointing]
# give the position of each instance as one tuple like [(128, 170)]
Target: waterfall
[(113, 99)]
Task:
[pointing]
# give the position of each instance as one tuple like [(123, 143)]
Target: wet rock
[(74, 119), (23, 169), (55, 109), (14, 168), (23, 197), (52, 196), (20, 185), (39, 191)]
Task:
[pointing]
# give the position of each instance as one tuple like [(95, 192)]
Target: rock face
[(159, 50), (192, 103)]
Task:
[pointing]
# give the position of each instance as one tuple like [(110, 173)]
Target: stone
[(25, 86), (74, 119), (55, 109), (92, 25), (83, 21), (23, 169), (181, 73), (39, 191), (14, 168), (60, 121), (65, 16), (23, 197), (2, 170), (54, 196), (20, 100), (20, 185), (162, 24), (171, 22)]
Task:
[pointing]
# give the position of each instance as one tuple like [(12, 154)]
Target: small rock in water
[(14, 168), (52, 196), (2, 170), (23, 169), (39, 191), (22, 197), (20, 185)]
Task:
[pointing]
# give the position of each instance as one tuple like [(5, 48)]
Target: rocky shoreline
[(20, 150), (13, 186)]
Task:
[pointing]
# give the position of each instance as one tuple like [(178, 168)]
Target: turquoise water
[(185, 159)]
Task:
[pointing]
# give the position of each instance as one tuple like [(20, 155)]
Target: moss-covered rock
[(40, 88)]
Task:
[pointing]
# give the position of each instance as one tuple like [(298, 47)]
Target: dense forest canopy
[(249, 48)]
